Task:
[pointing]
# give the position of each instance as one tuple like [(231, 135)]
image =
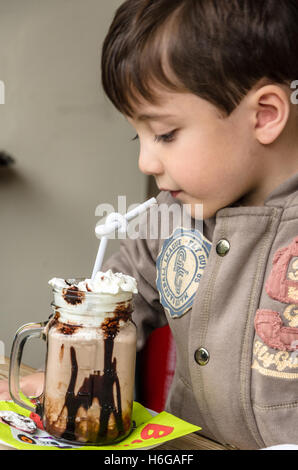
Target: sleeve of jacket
[(137, 258)]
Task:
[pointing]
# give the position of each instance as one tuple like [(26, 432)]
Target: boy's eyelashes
[(169, 137)]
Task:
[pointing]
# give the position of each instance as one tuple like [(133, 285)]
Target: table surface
[(190, 442)]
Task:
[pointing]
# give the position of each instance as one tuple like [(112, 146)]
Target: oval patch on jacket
[(180, 265)]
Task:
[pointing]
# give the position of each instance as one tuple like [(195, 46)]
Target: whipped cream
[(74, 297), (103, 283)]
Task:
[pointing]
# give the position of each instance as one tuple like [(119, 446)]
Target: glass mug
[(90, 367)]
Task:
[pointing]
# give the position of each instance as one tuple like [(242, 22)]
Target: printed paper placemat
[(148, 431)]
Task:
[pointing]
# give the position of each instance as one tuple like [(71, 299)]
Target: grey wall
[(72, 151)]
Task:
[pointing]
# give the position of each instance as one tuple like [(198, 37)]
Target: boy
[(207, 86)]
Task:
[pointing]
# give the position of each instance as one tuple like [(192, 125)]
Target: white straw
[(107, 228), (100, 256)]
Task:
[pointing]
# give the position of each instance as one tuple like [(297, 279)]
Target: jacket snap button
[(223, 247), (202, 356)]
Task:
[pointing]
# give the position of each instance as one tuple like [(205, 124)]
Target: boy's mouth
[(175, 193)]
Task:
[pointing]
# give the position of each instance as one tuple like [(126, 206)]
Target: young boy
[(207, 86)]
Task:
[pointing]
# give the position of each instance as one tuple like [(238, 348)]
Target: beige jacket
[(241, 307)]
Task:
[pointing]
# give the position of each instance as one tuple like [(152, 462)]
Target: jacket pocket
[(275, 393), (278, 424)]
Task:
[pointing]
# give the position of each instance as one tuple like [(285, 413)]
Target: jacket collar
[(280, 197), (284, 193)]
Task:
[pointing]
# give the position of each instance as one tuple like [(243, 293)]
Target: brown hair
[(216, 49)]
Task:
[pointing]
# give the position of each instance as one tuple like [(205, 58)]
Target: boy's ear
[(271, 112)]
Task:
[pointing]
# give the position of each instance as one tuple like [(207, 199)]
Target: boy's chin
[(201, 211)]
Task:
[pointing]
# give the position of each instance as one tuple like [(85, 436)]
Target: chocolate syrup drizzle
[(98, 385), (73, 295), (95, 386)]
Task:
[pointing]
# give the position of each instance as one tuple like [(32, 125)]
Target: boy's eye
[(169, 137)]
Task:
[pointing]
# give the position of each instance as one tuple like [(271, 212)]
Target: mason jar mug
[(89, 367)]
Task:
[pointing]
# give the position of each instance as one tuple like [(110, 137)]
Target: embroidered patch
[(280, 365), (291, 314), (269, 327), (282, 285), (180, 265)]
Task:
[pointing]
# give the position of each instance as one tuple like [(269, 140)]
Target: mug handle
[(28, 331)]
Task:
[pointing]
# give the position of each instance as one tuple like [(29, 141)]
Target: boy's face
[(188, 146)]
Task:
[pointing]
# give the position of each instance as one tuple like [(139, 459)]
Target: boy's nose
[(150, 164)]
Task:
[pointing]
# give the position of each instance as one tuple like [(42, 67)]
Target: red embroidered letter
[(282, 283), (269, 327)]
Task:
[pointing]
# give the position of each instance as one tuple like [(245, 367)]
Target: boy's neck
[(280, 163)]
